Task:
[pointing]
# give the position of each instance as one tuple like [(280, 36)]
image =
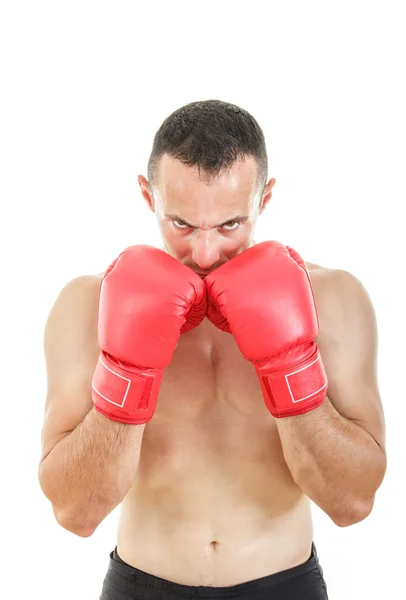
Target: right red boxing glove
[(147, 299)]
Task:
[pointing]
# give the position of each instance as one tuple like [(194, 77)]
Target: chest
[(208, 372), (210, 404), (211, 421)]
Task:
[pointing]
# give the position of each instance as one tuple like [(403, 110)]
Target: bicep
[(71, 352), (349, 346)]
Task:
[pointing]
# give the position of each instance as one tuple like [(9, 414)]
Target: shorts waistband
[(148, 581)]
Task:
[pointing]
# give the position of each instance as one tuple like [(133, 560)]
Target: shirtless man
[(213, 387)]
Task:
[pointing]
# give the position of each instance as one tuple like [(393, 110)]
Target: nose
[(205, 252)]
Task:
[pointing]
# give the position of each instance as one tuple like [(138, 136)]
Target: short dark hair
[(211, 135)]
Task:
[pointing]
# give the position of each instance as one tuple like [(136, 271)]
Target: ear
[(146, 192), (267, 195)]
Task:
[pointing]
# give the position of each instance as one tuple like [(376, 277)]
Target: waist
[(198, 546)]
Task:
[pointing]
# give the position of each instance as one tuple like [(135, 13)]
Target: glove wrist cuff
[(296, 390), (125, 395)]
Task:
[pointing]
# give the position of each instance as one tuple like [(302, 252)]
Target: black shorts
[(304, 582)]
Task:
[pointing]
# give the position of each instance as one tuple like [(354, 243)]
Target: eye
[(180, 224), (232, 225)]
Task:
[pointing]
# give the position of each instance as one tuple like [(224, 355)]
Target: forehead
[(177, 181)]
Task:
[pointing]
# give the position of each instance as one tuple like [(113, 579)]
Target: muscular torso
[(213, 502)]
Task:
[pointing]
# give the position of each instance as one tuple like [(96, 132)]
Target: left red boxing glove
[(264, 297)]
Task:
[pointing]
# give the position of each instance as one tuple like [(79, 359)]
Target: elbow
[(73, 524), (354, 514), (66, 516)]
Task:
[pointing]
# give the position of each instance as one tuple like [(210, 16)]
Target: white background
[(84, 87)]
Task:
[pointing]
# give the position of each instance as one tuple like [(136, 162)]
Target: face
[(204, 223)]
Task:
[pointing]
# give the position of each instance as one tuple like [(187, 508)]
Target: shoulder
[(336, 285), (342, 302), (70, 334), (81, 286), (76, 301)]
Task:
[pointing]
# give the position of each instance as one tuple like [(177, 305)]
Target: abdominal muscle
[(213, 502)]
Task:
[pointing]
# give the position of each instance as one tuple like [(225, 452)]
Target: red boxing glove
[(264, 297), (147, 299)]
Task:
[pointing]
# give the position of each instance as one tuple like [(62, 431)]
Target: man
[(213, 387)]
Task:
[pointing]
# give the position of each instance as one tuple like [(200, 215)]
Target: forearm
[(88, 473), (334, 461)]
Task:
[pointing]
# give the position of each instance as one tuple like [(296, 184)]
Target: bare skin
[(209, 489)]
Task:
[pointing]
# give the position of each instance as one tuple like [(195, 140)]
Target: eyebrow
[(237, 219)]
